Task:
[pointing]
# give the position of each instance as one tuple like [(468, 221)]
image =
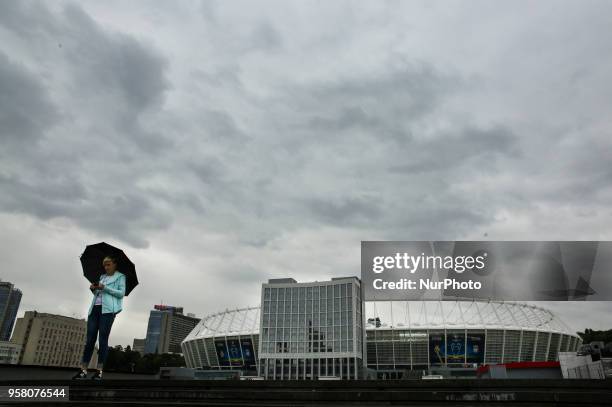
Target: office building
[(309, 330), (167, 328), (10, 297), (51, 340), (138, 345), (9, 353)]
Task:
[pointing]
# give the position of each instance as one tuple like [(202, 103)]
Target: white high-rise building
[(311, 330)]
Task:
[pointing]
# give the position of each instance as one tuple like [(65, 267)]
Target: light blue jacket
[(112, 294)]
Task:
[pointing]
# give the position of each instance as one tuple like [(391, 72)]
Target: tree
[(127, 360), (590, 335)]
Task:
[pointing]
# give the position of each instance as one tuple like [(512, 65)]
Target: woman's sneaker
[(97, 376), (82, 374)]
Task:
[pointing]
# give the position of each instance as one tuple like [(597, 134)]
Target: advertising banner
[(247, 352), (437, 348), (455, 348), (475, 348), (235, 353), (222, 353), (228, 352)]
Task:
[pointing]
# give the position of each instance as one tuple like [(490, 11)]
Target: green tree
[(590, 335), (127, 360)]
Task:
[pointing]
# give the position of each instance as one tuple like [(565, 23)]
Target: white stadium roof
[(415, 315), (462, 315), (242, 321)]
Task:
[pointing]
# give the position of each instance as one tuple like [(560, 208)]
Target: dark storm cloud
[(209, 170), (110, 82), (104, 69), (585, 171), (385, 103), (117, 72), (115, 62), (370, 133), (130, 215), (40, 21), (118, 215), (221, 141), (45, 198), (26, 110)]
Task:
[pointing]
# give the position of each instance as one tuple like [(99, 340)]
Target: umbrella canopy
[(92, 258)]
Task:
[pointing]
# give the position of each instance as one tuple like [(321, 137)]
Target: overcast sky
[(224, 143)]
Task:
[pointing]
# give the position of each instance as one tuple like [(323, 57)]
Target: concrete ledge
[(330, 393)]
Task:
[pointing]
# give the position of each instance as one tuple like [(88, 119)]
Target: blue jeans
[(102, 323)]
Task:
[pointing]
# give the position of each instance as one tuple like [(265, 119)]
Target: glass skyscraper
[(167, 328), (10, 298), (154, 328), (311, 330)]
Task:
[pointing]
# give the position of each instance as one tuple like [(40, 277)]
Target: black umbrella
[(92, 258)]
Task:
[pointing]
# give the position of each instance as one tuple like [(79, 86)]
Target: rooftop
[(415, 315)]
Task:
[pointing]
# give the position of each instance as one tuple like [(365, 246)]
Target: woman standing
[(105, 305)]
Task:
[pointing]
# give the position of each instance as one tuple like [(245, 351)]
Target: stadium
[(404, 336)]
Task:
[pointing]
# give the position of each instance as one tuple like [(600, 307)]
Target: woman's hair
[(111, 258)]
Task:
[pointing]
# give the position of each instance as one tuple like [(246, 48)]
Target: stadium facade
[(399, 336)]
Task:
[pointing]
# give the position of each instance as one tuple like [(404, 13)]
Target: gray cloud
[(386, 104), (347, 211), (471, 147), (266, 37), (109, 83), (26, 110), (221, 144)]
